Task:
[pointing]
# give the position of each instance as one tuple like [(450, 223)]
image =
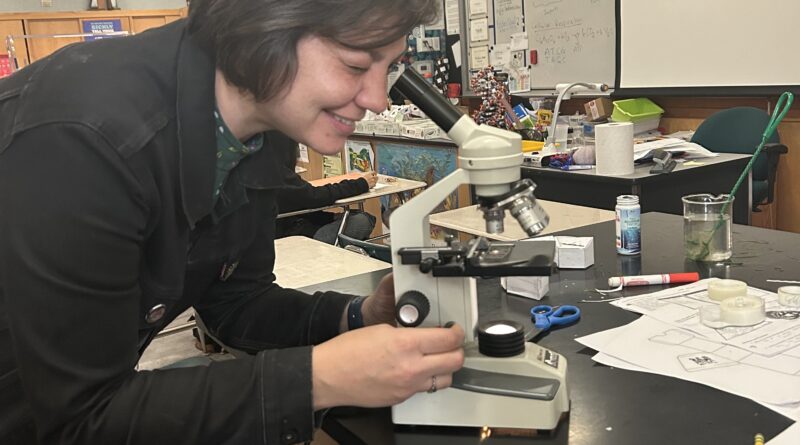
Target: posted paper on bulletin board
[(100, 27), (331, 166), (451, 17), (478, 8), (479, 30), (359, 156), (479, 57), (508, 20), (511, 59)]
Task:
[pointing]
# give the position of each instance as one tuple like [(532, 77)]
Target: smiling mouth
[(343, 120)]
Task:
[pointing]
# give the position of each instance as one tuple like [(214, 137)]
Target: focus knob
[(412, 308)]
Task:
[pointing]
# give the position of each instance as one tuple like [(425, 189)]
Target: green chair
[(739, 130), (378, 251)]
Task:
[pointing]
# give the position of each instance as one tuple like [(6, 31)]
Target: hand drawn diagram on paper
[(657, 346), (680, 307)]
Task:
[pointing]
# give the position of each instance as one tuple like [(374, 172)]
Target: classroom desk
[(657, 192), (609, 405), (387, 185), (562, 216), (302, 261)]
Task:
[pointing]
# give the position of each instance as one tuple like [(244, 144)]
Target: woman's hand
[(382, 365), (379, 307), (371, 178)]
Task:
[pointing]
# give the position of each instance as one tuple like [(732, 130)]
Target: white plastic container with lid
[(628, 225)]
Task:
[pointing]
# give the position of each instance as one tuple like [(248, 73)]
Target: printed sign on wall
[(101, 27)]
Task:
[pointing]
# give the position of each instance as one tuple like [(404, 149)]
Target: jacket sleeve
[(72, 227), (299, 194), (248, 310)]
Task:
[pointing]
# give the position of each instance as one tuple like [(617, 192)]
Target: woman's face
[(333, 88)]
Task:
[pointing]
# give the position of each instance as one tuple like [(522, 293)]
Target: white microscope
[(506, 382)]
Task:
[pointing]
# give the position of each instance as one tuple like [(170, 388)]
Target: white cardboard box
[(572, 252), (529, 287)]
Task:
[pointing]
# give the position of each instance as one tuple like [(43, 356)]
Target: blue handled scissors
[(545, 317)]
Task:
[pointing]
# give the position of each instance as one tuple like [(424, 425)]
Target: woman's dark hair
[(254, 42)]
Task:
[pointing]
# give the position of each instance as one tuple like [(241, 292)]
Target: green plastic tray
[(634, 110)]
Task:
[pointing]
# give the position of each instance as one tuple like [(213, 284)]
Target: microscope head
[(492, 156)]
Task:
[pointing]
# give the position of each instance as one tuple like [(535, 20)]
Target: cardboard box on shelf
[(421, 129), (598, 109)]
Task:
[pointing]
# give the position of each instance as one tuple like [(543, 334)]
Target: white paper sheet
[(478, 30), (456, 48), (599, 340), (451, 17), (302, 153), (508, 19), (478, 7), (690, 150), (680, 306), (519, 42), (789, 436), (500, 55), (791, 411), (658, 346), (479, 57), (519, 76), (359, 156)]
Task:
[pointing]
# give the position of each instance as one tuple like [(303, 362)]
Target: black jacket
[(107, 157)]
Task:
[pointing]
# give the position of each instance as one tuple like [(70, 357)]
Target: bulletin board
[(541, 43), (430, 42)]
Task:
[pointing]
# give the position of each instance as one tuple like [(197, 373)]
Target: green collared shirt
[(230, 152)]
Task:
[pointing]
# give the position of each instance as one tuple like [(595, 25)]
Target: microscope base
[(538, 407)]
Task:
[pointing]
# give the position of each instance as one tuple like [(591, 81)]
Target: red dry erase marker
[(646, 280)]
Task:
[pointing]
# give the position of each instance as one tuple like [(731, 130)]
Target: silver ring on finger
[(433, 388)]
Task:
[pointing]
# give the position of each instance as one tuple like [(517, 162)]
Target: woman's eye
[(357, 69)]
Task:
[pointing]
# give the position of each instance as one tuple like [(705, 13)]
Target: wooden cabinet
[(41, 29), (39, 47), (13, 28)]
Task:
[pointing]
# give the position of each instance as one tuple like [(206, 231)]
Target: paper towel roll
[(614, 148)]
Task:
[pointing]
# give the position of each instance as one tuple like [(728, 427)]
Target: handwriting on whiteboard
[(560, 40)]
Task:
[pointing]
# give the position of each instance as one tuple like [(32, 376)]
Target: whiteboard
[(720, 43), (576, 41)]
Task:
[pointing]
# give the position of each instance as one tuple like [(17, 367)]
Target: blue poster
[(101, 27), (420, 163)]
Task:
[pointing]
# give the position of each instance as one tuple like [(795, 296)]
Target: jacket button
[(155, 313)]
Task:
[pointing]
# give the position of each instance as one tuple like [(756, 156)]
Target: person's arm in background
[(301, 194), (370, 177)]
